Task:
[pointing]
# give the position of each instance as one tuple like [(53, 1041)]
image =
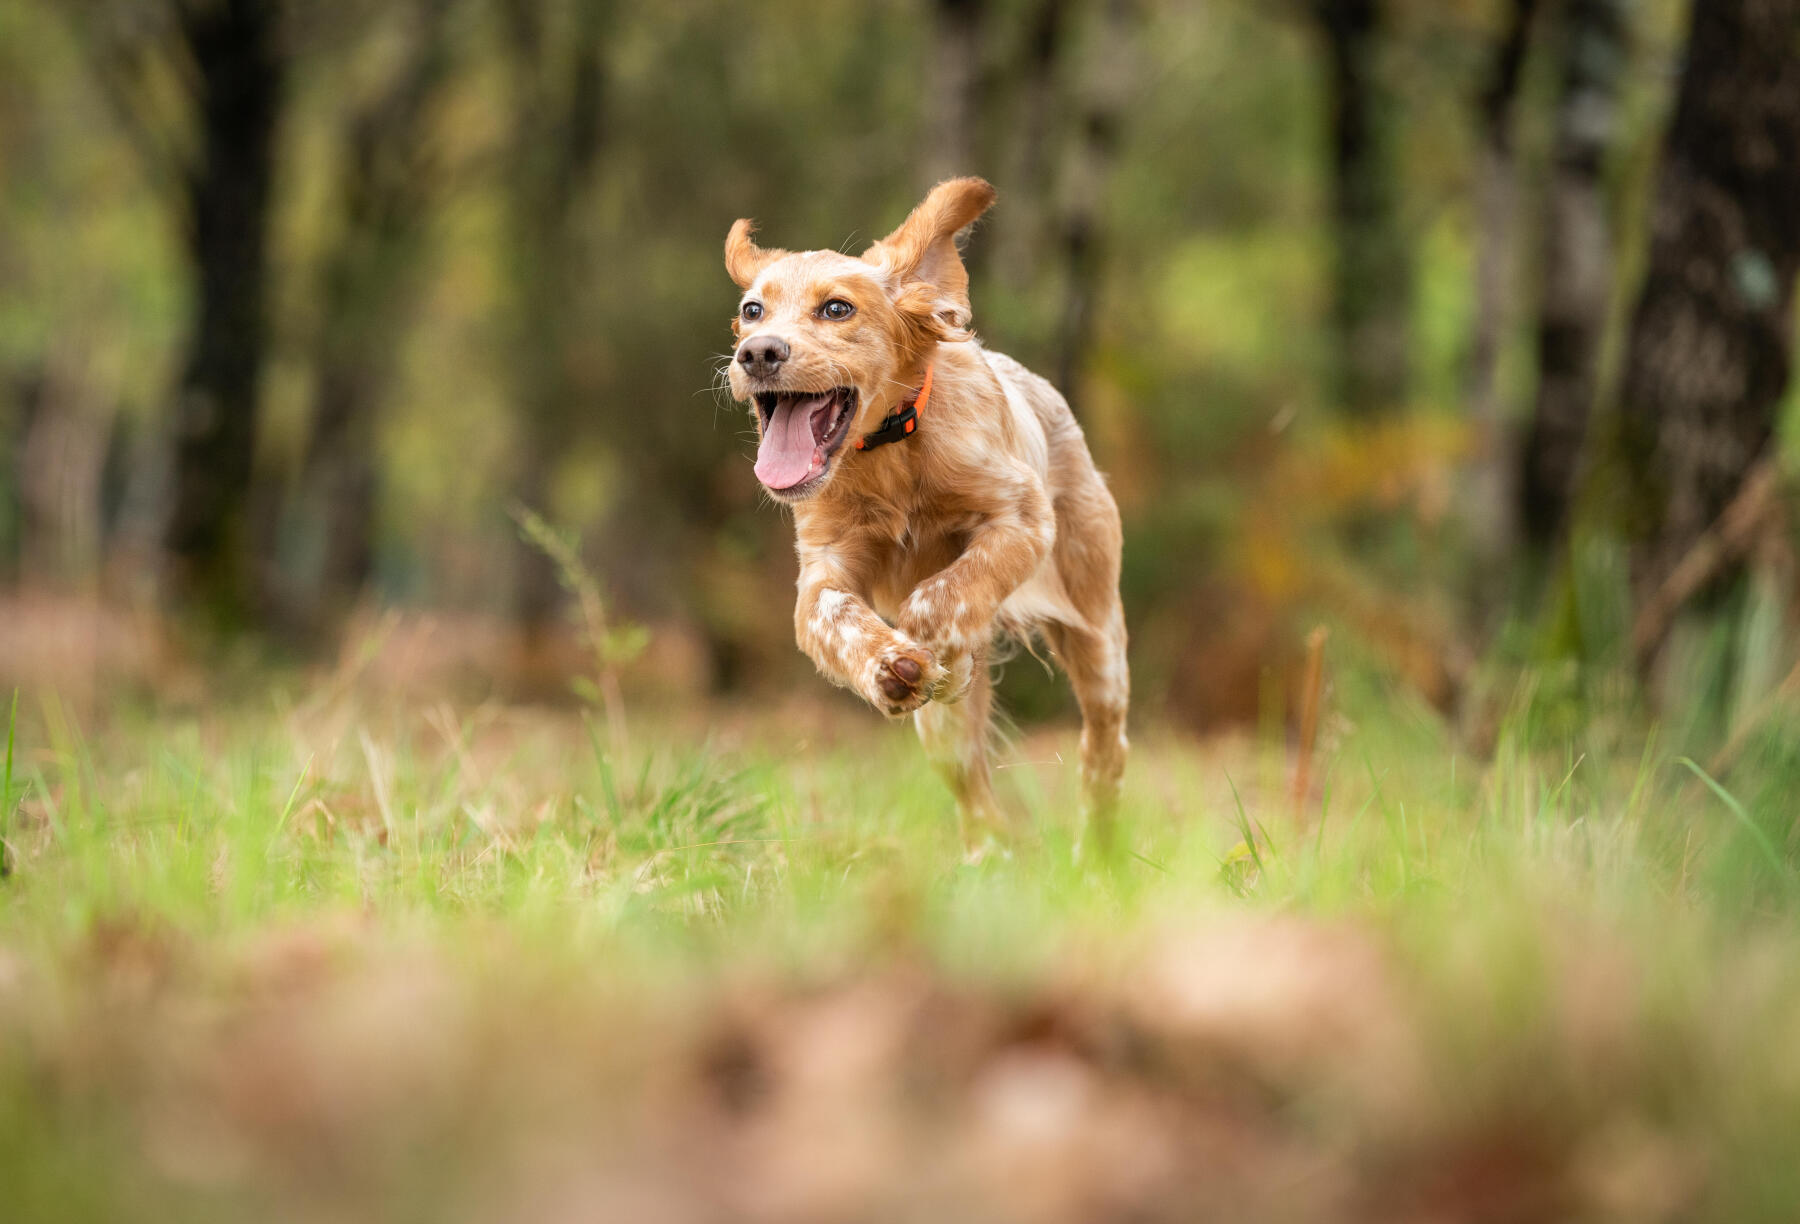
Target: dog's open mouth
[(801, 431)]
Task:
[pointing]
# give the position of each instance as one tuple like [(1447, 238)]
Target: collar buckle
[(899, 423)]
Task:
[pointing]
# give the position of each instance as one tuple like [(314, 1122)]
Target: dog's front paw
[(903, 677), (949, 623)]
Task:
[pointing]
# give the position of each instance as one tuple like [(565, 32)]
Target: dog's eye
[(750, 312), (837, 308)]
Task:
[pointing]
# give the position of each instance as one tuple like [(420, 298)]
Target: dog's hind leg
[(955, 736), (1093, 655)]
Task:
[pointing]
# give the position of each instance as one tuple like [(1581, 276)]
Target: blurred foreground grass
[(332, 956)]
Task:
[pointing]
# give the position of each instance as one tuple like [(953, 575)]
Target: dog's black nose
[(762, 355)]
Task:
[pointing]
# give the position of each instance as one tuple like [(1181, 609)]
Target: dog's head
[(827, 342)]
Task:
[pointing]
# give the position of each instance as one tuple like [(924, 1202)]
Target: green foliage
[(1209, 341)]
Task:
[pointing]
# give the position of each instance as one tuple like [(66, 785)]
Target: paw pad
[(906, 679)]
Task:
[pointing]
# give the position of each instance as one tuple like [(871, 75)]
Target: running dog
[(943, 495)]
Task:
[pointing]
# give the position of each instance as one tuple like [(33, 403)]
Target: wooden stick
[(1309, 713), (1729, 538), (1772, 703)]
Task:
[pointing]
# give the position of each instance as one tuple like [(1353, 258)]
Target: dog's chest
[(922, 547)]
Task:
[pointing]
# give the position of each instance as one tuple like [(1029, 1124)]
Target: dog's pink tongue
[(784, 456)]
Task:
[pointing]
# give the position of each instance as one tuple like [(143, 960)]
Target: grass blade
[(1243, 820), (287, 809), (12, 726), (1756, 831)]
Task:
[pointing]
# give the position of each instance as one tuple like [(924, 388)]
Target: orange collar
[(900, 423)]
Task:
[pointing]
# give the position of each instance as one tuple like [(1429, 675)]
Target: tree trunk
[(61, 465), (1576, 275), (1490, 493), (957, 89), (368, 283), (237, 67), (1497, 191), (18, 517), (340, 489), (558, 121), (1106, 86), (1018, 246), (1709, 355), (1372, 277)]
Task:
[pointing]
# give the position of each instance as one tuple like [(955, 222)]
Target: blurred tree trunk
[(960, 99), (1108, 76), (29, 390), (1018, 245), (1372, 279), (389, 181), (1496, 208), (60, 464), (558, 92), (238, 69), (1589, 37), (958, 89), (1709, 352), (1496, 205)]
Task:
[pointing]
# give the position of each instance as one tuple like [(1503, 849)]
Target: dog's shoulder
[(1033, 396), (1027, 386)]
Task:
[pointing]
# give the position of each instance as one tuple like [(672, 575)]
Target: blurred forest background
[(1463, 326)]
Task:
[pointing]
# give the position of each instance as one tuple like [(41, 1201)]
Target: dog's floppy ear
[(743, 258), (923, 250)]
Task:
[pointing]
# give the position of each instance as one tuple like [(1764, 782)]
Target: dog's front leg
[(953, 611), (854, 648)]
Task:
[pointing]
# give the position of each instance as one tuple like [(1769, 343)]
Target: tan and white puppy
[(920, 542)]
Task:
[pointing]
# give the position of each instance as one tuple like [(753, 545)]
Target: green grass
[(1592, 945)]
